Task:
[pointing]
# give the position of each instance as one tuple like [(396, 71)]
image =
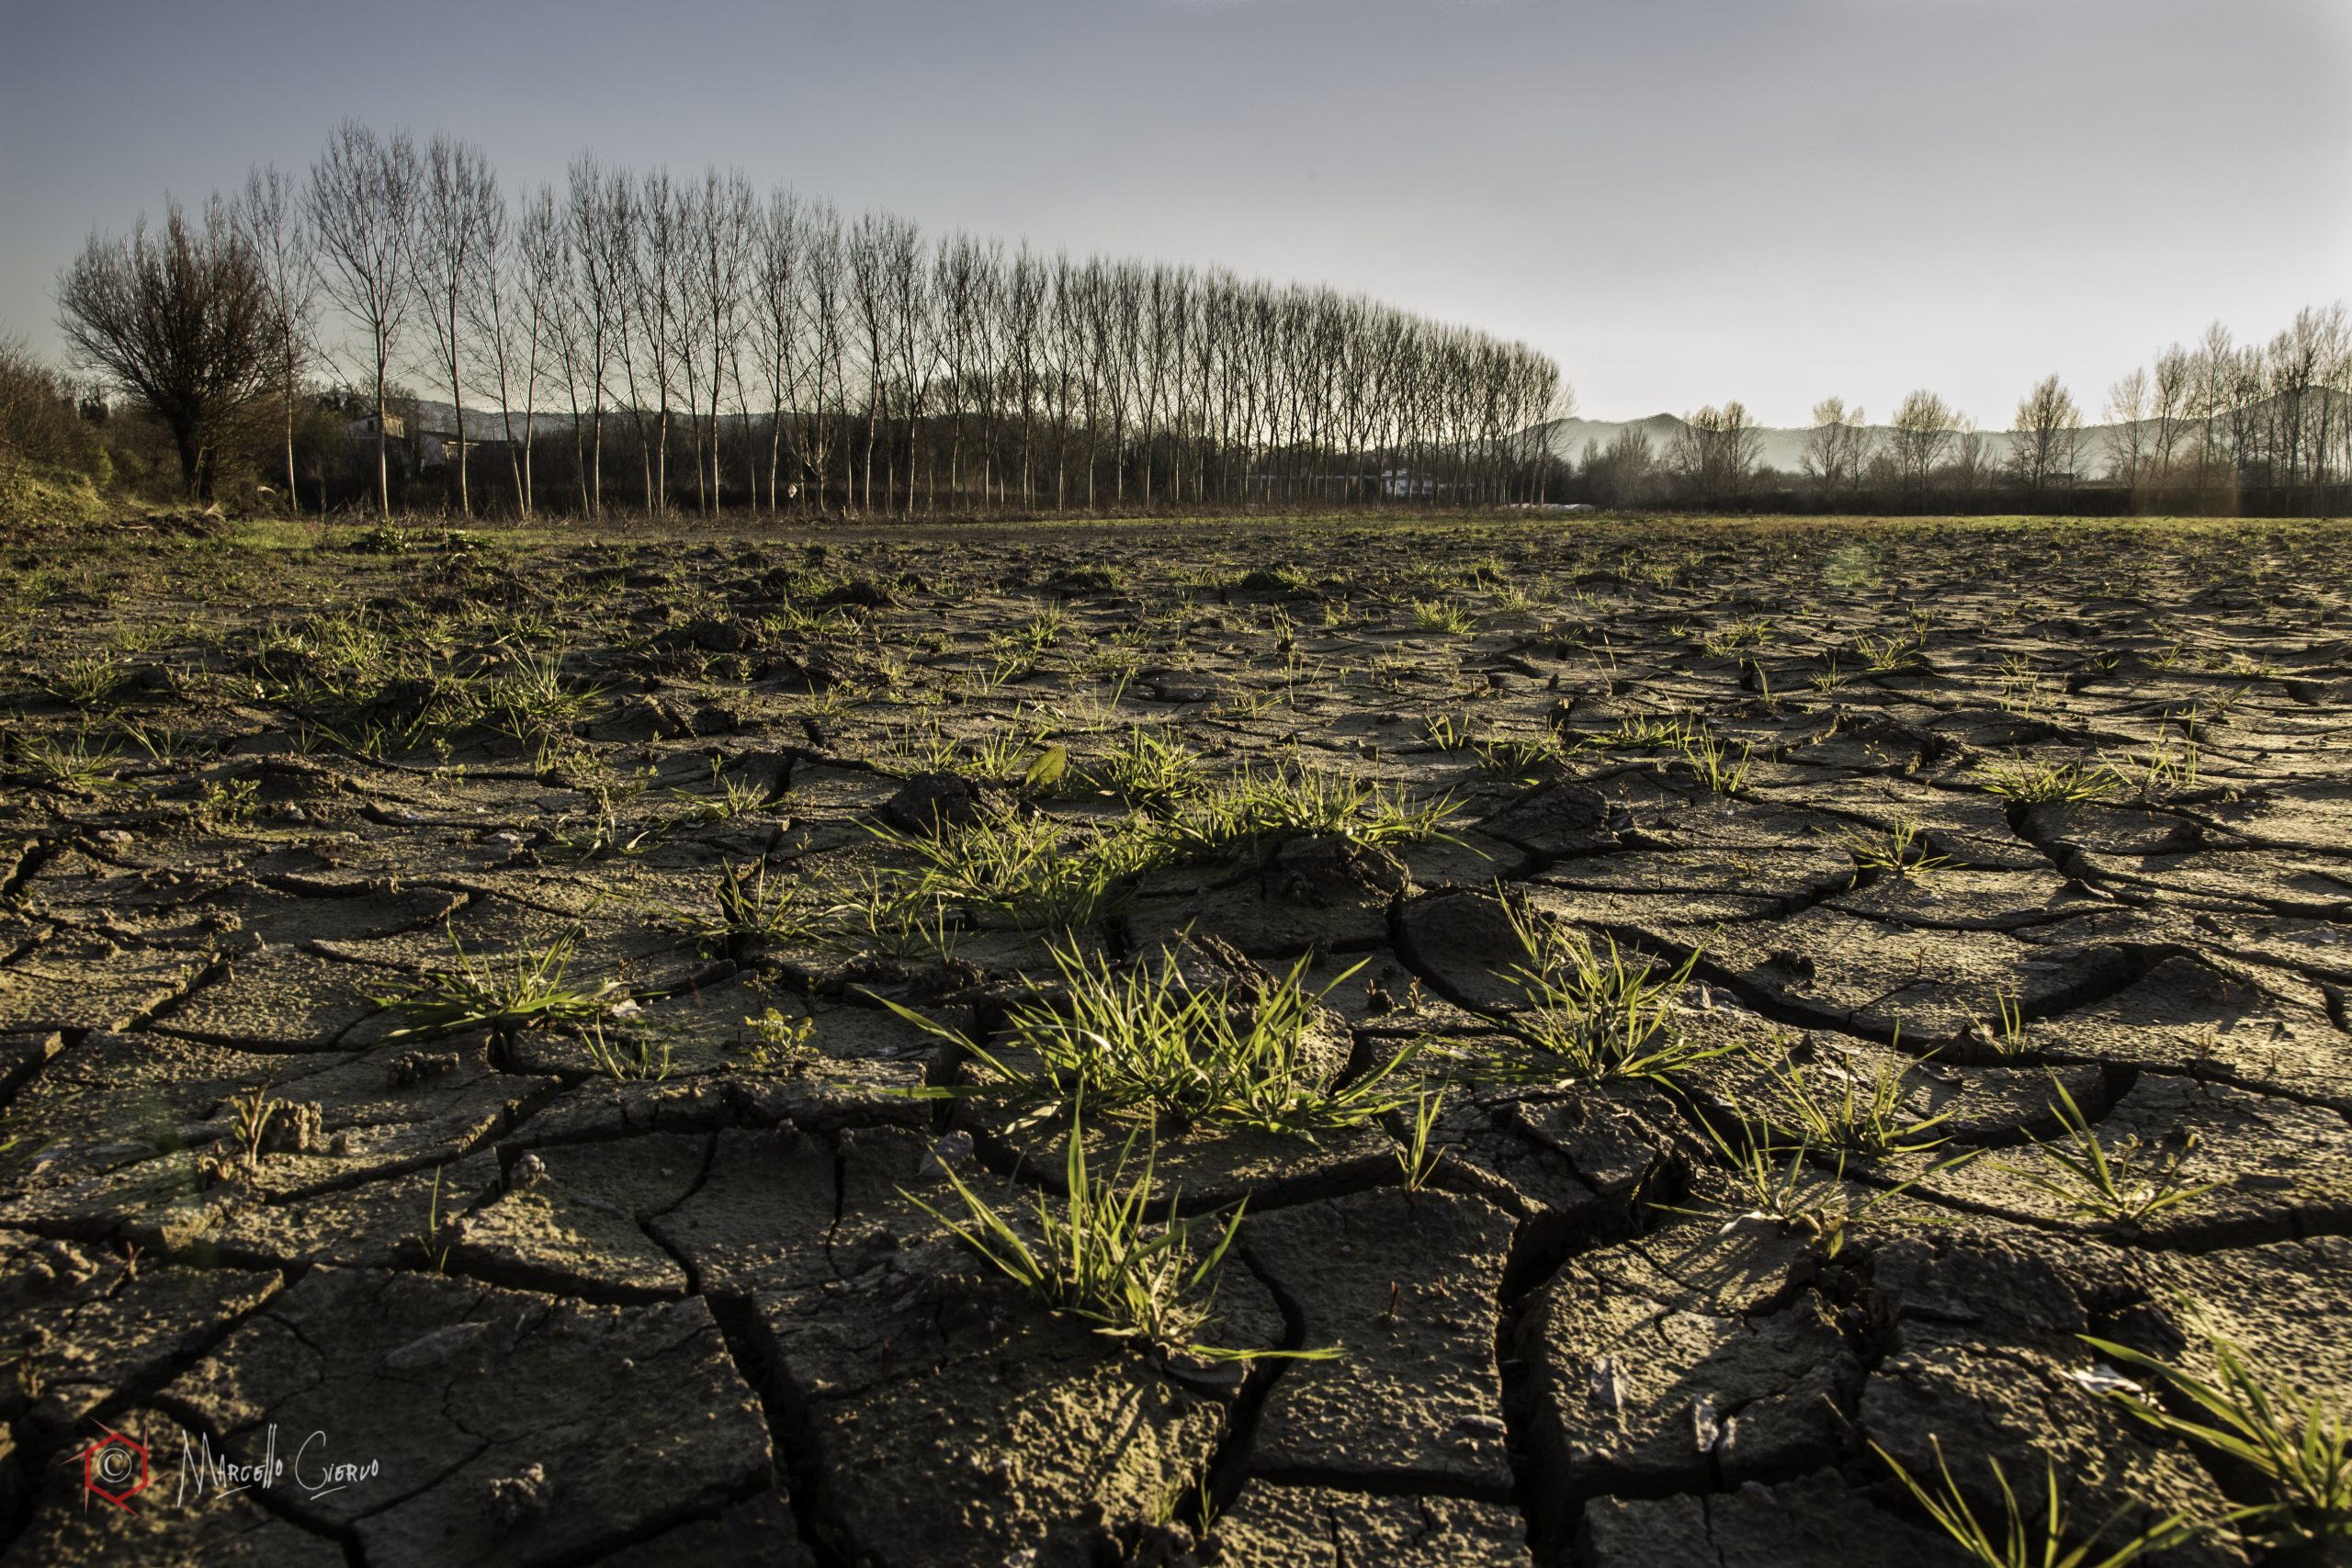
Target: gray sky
[(1681, 200)]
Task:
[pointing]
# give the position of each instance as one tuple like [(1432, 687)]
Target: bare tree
[(1714, 451), (725, 219), (1971, 462), (2046, 438), (363, 209), (513, 308), (778, 250), (2129, 444), (184, 322), (1837, 449), (597, 218), (459, 207), (1919, 440), (1625, 472), (2169, 406), (270, 216)]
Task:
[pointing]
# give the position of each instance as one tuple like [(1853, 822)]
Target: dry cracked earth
[(463, 1008)]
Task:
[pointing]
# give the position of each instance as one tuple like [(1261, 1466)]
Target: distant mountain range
[(1777, 449)]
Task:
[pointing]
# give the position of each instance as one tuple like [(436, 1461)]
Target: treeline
[(2216, 428), (637, 340)]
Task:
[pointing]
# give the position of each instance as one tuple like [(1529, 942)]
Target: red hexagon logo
[(114, 1468)]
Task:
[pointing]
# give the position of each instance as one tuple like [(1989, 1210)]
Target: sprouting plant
[(163, 745), (528, 989), (2298, 1443), (1009, 666), (1898, 850), (2126, 1185), (1045, 773), (2023, 779), (1594, 1018), (1144, 1043), (1147, 769), (887, 916), (1777, 1181), (436, 1230), (76, 765), (1448, 731), (2041, 1543), (250, 1116), (1031, 869), (2160, 771), (1891, 654), (1098, 1257), (1644, 732), (1711, 757), (1849, 1112), (776, 1044), (530, 702), (630, 1059), (1045, 628), (1417, 1156), (228, 801), (1247, 808), (732, 799), (2008, 1036), (1782, 1181), (1511, 756), (385, 539), (1442, 615), (88, 679), (1724, 642), (748, 909)]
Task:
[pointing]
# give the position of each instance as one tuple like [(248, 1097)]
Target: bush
[(51, 463)]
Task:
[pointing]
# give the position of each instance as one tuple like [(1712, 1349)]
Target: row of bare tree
[(2213, 427), (696, 342)]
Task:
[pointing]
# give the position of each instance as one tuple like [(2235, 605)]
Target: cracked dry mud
[(666, 1289)]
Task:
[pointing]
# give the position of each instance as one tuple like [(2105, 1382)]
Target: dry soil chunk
[(1316, 1527), (1813, 1523), (1404, 1284), (1985, 1361), (573, 1220), (757, 1534), (949, 1411), (2274, 1167), (84, 1324), (633, 1418), (1658, 1364)]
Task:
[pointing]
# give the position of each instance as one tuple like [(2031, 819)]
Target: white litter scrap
[(2100, 1378)]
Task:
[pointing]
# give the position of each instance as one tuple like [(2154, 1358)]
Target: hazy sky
[(1681, 200)]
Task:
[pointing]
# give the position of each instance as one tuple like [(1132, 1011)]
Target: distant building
[(364, 428)]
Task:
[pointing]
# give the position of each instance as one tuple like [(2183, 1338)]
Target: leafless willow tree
[(363, 208), (771, 346), (184, 321), (512, 307), (459, 213), (270, 214)]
